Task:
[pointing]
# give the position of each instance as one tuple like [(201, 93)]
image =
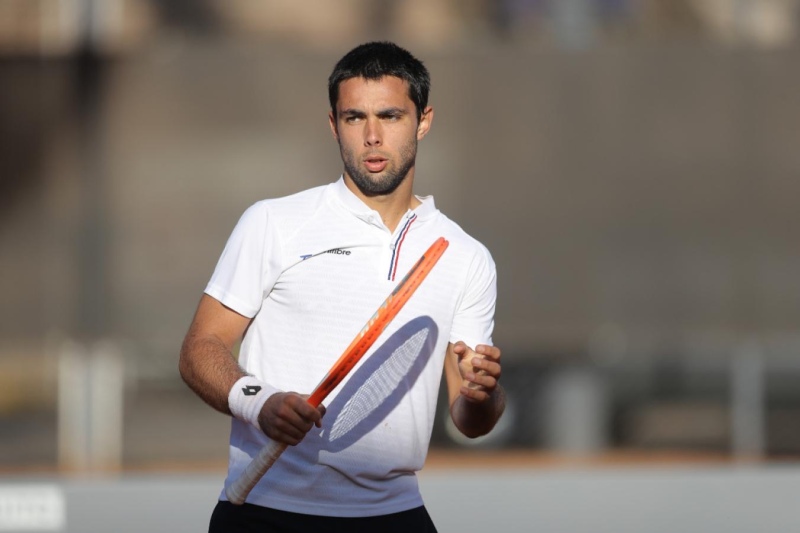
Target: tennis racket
[(238, 490)]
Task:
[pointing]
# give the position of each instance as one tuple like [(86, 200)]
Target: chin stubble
[(382, 183)]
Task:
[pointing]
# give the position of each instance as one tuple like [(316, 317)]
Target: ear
[(332, 122), (425, 121)]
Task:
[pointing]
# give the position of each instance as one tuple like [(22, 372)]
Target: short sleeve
[(474, 319), (249, 264)]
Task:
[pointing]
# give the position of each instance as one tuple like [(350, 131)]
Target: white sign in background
[(32, 508)]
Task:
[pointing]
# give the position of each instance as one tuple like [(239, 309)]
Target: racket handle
[(238, 490)]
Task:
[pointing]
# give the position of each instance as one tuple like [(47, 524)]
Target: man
[(298, 279)]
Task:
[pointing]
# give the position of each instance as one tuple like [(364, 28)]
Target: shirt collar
[(355, 205)]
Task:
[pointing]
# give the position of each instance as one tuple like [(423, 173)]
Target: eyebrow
[(389, 111), (350, 112)]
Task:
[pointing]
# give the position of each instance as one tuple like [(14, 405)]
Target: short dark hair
[(373, 61)]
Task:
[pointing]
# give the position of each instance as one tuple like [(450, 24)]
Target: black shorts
[(247, 518)]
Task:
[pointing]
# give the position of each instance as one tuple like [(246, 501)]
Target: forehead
[(363, 93)]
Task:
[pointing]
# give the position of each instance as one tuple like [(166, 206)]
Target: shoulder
[(464, 244), (286, 210), (303, 201)]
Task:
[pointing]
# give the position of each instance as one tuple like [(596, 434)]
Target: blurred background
[(632, 165)]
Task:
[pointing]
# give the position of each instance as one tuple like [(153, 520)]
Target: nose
[(372, 133)]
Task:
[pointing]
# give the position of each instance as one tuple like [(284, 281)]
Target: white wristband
[(247, 397)]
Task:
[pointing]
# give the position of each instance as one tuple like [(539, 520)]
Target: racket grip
[(238, 490)]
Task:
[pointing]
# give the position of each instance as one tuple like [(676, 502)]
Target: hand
[(287, 417), (480, 370)]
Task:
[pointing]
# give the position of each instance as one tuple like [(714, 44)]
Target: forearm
[(209, 369), (475, 419)]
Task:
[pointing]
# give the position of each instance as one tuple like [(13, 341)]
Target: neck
[(392, 206)]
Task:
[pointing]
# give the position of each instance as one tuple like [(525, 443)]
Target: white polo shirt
[(311, 269)]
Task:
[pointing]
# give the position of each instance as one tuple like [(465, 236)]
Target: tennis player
[(297, 280)]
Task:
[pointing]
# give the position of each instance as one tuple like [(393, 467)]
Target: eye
[(352, 119)]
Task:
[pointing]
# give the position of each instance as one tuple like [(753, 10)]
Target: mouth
[(375, 163)]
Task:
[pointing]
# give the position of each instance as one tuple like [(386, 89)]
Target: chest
[(343, 281)]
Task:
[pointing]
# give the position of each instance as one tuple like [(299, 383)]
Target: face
[(377, 130)]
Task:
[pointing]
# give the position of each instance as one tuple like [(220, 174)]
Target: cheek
[(345, 144), (403, 138), (350, 138), (409, 149), (349, 153)]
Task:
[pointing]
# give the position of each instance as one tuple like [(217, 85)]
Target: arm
[(207, 364), (208, 367), (477, 399)]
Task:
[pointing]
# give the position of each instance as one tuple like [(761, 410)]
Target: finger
[(474, 393), (482, 381), (487, 351), (484, 375), (304, 416), (305, 410), (283, 431), (487, 367), (293, 418), (486, 362), (474, 380), (294, 431), (287, 434), (470, 366), (468, 358)]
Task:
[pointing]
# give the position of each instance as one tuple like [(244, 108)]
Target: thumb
[(322, 410), (460, 349)]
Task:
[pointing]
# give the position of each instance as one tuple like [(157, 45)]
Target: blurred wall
[(630, 164), (652, 190)]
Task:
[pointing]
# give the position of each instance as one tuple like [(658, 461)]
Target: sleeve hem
[(229, 300)]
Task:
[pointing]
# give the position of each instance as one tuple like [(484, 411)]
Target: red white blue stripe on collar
[(396, 246)]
